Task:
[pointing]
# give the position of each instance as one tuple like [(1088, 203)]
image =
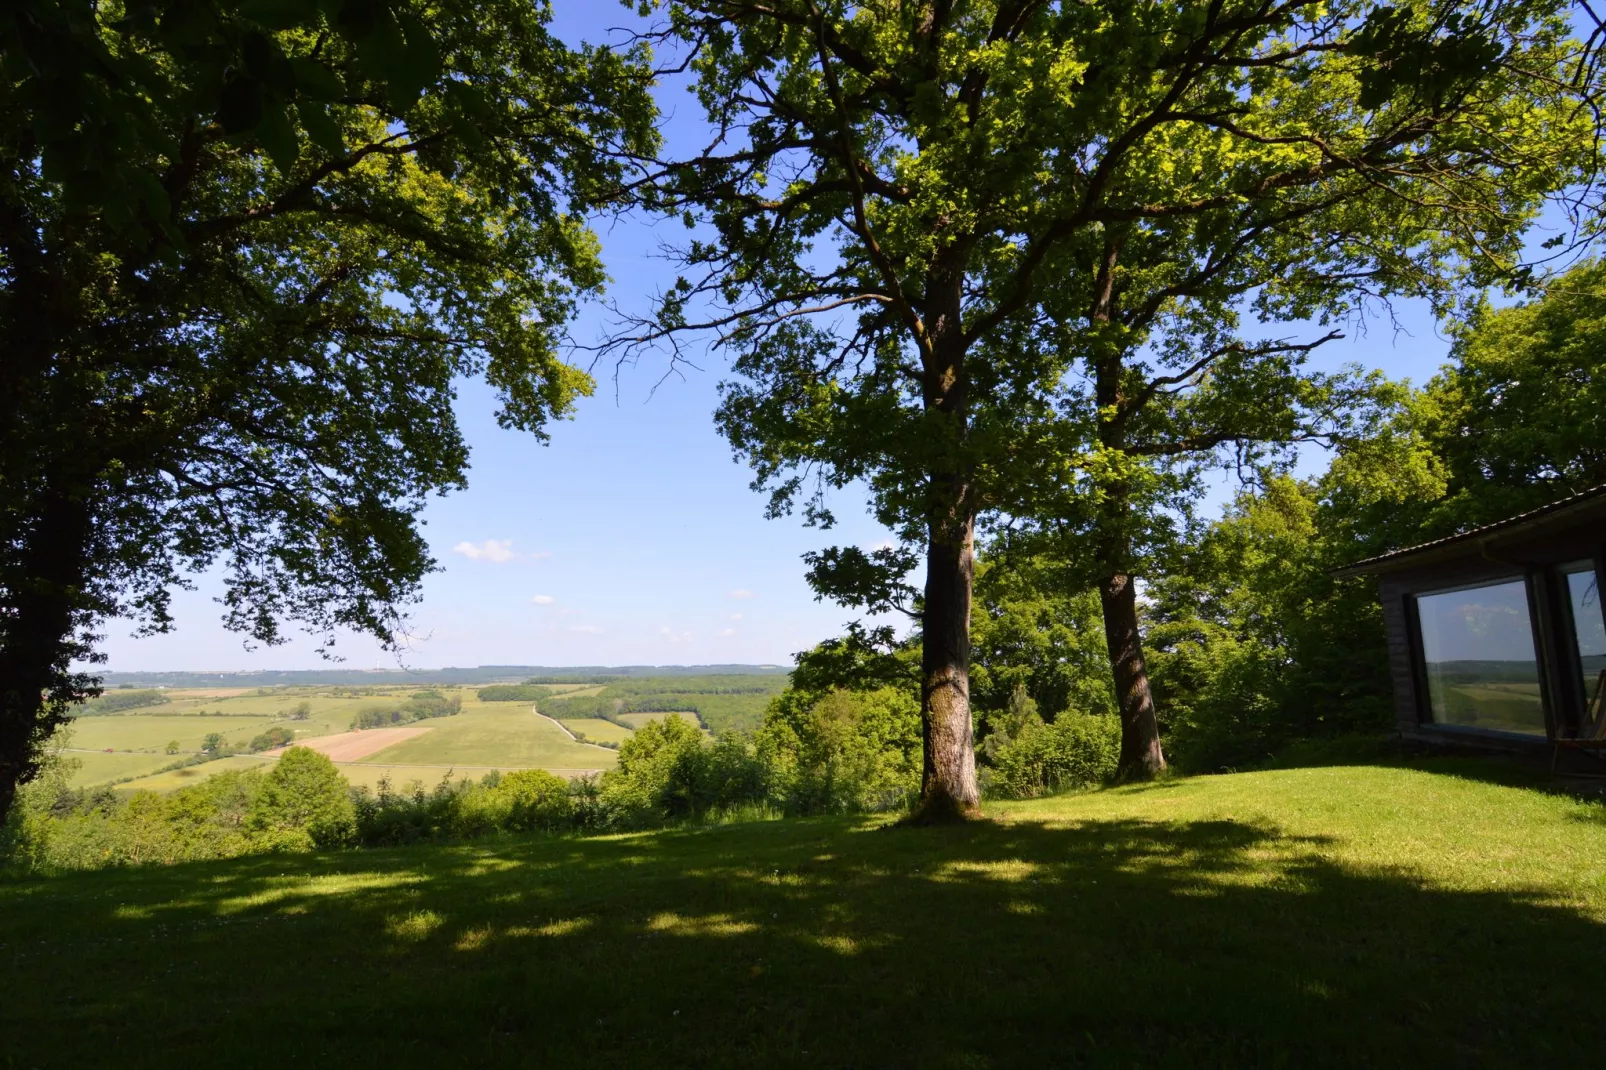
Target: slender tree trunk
[(41, 593), (948, 788), (1141, 757)]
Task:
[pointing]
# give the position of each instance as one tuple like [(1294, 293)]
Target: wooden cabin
[(1497, 636)]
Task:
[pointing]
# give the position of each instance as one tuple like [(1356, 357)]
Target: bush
[(844, 751), (534, 800), (663, 772), (277, 736), (305, 793), (1077, 751)]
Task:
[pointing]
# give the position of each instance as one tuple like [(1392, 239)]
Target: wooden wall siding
[(1402, 663)]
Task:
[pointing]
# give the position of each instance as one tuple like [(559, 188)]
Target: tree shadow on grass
[(818, 943)]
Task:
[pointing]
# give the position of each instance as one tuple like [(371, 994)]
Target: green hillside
[(1334, 917)]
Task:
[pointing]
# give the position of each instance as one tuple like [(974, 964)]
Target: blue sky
[(633, 537)]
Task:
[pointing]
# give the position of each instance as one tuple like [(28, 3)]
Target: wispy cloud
[(496, 551), (673, 636), (543, 599), (740, 592), (588, 629), (736, 616), (726, 633), (540, 555)]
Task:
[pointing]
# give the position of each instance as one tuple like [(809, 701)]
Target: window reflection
[(1589, 627), (1479, 652)]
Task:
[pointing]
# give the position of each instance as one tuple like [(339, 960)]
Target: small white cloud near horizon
[(496, 551), (589, 629), (727, 633), (740, 592), (543, 599), (673, 636)]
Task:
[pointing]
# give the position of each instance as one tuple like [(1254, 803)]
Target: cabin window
[(1479, 658), (1589, 625)]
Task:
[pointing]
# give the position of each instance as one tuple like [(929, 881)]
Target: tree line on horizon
[(1028, 272)]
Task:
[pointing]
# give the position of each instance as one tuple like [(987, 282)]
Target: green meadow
[(1330, 916), (502, 734)]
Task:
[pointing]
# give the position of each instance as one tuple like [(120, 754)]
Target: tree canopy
[(251, 365), (990, 259)]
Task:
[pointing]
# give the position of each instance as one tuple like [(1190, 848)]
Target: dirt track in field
[(354, 746)]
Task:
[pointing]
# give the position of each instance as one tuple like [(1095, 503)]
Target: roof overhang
[(1568, 514)]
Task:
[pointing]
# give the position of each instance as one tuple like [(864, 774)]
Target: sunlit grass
[(1334, 916)]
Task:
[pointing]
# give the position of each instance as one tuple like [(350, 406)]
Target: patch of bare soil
[(354, 746)]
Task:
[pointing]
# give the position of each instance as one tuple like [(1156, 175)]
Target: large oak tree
[(234, 310), (899, 196)]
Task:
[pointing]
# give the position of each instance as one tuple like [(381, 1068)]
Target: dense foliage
[(327, 214), (120, 700), (420, 707)]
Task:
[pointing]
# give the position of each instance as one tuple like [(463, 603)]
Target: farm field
[(152, 732), (1359, 916), (596, 729), (98, 767), (173, 779), (502, 735)]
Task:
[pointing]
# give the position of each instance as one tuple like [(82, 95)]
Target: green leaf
[(240, 105), (315, 80), (323, 130), (277, 136)]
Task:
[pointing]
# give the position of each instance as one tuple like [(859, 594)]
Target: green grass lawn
[(506, 735), (1338, 917)]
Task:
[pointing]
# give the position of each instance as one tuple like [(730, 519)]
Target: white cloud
[(496, 551), (543, 600), (736, 616), (589, 629), (727, 633), (884, 544), (540, 555), (673, 636), (739, 593)]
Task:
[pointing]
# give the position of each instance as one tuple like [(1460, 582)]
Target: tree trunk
[(43, 589), (948, 789), (1141, 757)]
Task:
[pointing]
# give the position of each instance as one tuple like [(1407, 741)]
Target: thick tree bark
[(37, 645), (948, 788), (1141, 757)]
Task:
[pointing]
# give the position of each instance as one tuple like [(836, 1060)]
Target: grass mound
[(1334, 916)]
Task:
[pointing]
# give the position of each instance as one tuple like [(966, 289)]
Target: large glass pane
[(1589, 627), (1479, 649)]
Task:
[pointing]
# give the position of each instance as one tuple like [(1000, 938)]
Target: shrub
[(844, 751), (277, 736), (663, 772), (535, 800), (1078, 750), (305, 792)]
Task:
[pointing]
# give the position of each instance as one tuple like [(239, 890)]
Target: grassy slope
[(1339, 916), (504, 734)]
